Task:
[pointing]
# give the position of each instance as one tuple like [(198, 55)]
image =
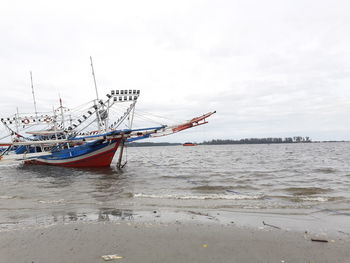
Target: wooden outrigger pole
[(119, 164)]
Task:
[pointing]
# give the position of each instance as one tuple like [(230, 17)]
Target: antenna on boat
[(31, 80)]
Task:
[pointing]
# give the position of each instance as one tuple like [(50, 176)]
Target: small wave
[(301, 199), (128, 195), (11, 164), (210, 188), (326, 170), (176, 177), (307, 190), (201, 197), (247, 187), (7, 197), (314, 199), (51, 201)]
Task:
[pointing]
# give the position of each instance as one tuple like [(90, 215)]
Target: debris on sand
[(319, 240), (111, 257)]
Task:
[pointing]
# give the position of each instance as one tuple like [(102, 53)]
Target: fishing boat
[(85, 136), (90, 140), (189, 144)]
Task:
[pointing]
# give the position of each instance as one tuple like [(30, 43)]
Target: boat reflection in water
[(103, 215)]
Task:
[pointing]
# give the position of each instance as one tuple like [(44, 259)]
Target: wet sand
[(160, 242)]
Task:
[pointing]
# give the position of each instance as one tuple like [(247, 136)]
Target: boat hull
[(101, 157), (189, 144)]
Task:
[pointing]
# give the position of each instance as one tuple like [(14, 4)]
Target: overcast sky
[(270, 68)]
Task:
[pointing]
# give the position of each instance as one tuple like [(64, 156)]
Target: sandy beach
[(160, 242)]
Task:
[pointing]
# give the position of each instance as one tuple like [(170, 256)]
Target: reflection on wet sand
[(115, 214), (47, 194), (102, 215)]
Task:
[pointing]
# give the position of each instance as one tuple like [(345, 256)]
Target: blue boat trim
[(76, 151)]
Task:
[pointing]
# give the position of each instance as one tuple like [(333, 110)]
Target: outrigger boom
[(194, 122)]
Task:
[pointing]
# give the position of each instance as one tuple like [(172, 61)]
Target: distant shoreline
[(228, 142)]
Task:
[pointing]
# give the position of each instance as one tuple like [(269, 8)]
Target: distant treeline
[(296, 139), (146, 144)]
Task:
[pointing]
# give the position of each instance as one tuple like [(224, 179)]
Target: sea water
[(220, 183)]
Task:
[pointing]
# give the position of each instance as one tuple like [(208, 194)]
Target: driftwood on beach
[(271, 225)]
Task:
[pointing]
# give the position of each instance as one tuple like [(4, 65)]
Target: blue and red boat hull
[(97, 154)]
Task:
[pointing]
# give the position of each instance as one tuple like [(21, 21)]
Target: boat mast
[(55, 121), (93, 74), (62, 115), (17, 116), (31, 80), (97, 99)]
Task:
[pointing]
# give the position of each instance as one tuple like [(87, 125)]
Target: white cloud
[(270, 68)]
